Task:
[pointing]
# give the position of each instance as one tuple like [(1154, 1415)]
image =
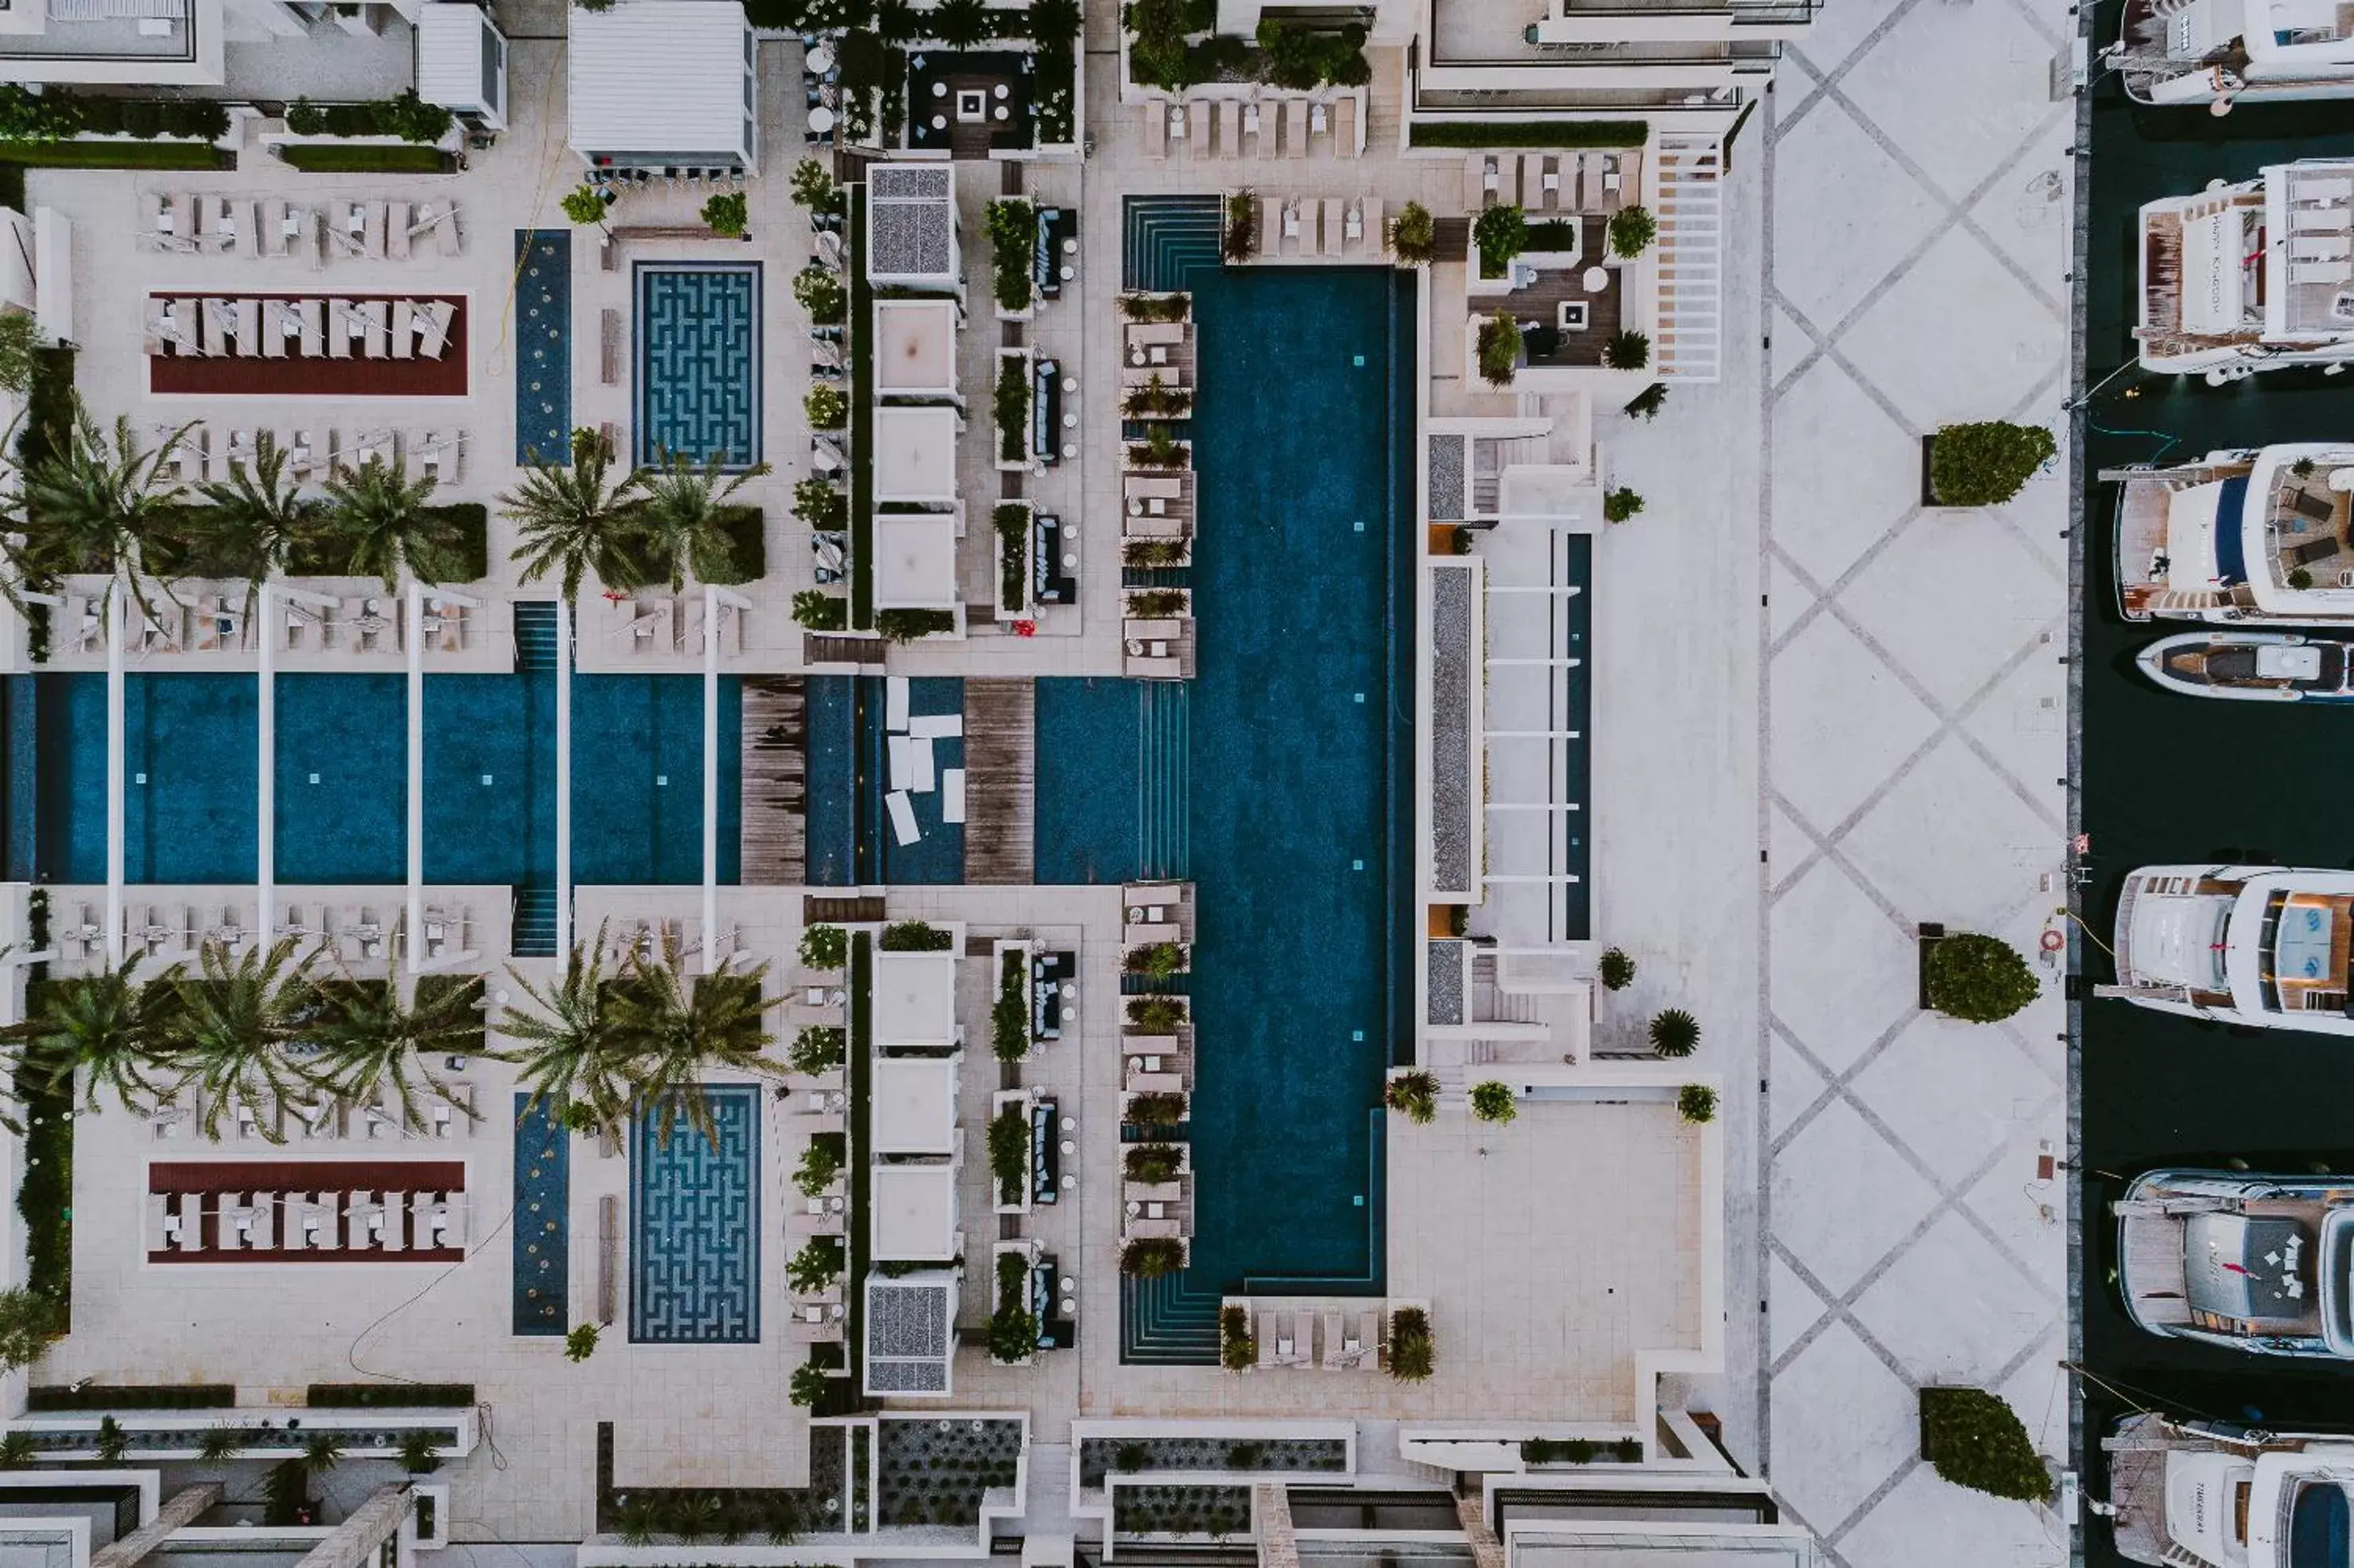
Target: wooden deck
[(1000, 782), (819, 648), (841, 909), (775, 745)]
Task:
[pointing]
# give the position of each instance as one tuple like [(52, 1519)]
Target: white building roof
[(910, 1325), (914, 1209), (913, 1105), (915, 347), (911, 224), (670, 78), (462, 60), (915, 454), (915, 998), (915, 560)]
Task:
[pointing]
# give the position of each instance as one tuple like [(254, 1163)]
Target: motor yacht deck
[(2251, 276), (2239, 536), (2249, 944), (2206, 52), (2256, 1263), (2198, 1494)]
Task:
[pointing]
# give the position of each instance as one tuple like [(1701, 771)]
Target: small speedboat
[(2251, 666)]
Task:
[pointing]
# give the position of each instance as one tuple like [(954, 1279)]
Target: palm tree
[(258, 516), (571, 1053), (374, 1043), (681, 1028), (578, 519), (235, 1018), (382, 513), (682, 518), (106, 1028), (89, 507)]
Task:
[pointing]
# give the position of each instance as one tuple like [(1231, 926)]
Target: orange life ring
[(2053, 941)]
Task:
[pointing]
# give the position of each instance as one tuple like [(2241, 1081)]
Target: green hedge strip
[(132, 1396), (1537, 134), (112, 154), (366, 158), (391, 1395)]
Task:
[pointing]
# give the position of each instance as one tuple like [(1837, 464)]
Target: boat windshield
[(2319, 1532), (2306, 940)]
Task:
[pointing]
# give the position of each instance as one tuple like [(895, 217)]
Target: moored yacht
[(2239, 944), (2251, 666), (2239, 536), (2213, 52), (2195, 1494), (2251, 1263), (2240, 278)]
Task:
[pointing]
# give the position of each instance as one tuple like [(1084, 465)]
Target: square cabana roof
[(915, 347), (916, 454), (655, 81), (915, 998), (914, 1106)]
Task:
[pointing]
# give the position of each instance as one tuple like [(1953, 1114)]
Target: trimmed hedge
[(404, 115), (60, 112), (364, 158), (112, 155), (1543, 134), (1974, 1439), (747, 544), (390, 1395), (1987, 462), (45, 1193), (132, 1396)]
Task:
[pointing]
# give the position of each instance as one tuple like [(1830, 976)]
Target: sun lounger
[(191, 1237), (894, 703), (159, 1225), (433, 328), (2322, 272), (1290, 232), (1197, 127), (951, 794), (1377, 235), (1254, 127), (396, 231), (902, 811), (371, 231), (1230, 128), (168, 230), (248, 328), (2321, 247), (261, 1227), (404, 328), (1295, 128), (1332, 226), (1320, 120), (900, 753), (376, 315), (339, 329), (447, 234), (450, 1116), (218, 325), (346, 226), (1344, 127)]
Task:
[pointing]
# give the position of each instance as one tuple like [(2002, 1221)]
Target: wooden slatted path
[(775, 747), (1000, 781)]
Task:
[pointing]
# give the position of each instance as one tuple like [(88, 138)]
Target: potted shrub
[(1238, 1351), (1621, 504), (1415, 1093), (1618, 970), (583, 204), (1675, 1033), (1632, 230), (1413, 236), (728, 216), (1627, 350), (1149, 1257), (1696, 1103), (824, 947), (1500, 350), (1974, 1439), (814, 609), (1499, 234), (1413, 1354), (1975, 978), (1984, 464), (1492, 1101)]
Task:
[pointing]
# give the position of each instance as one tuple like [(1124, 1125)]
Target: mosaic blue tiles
[(694, 1226), (543, 338), (698, 363), (543, 1249)]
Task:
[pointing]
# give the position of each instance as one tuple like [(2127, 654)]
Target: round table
[(820, 61), (1596, 279), (820, 119)]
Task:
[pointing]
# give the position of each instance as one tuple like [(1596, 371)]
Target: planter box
[(1021, 607), (998, 1103), (1028, 360)]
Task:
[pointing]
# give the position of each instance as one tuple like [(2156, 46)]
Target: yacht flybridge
[(2251, 1262), (2239, 944), (2251, 536), (2240, 278), (2219, 52), (2198, 1494)]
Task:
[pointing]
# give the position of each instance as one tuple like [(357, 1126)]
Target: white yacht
[(2222, 52), (2262, 535), (2251, 666), (2239, 944), (2254, 275), (2250, 1263), (2195, 1494)]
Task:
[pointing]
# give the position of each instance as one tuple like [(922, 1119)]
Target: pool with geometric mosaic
[(542, 1240), (694, 1226), (698, 363)]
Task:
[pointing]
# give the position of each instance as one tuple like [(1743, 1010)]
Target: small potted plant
[(728, 216)]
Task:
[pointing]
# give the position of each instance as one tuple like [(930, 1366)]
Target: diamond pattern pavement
[(1915, 744)]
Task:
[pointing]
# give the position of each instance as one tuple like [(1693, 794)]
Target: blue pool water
[(490, 777), (832, 790), (698, 363), (637, 778), (541, 1239), (1115, 759), (191, 769), (342, 778), (543, 337), (694, 1226)]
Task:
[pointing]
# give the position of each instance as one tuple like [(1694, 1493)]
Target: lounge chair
[(248, 328), (1197, 127), (1376, 233), (1295, 128), (1344, 127), (1320, 120), (371, 231), (1292, 227), (1332, 226), (261, 1229), (397, 231), (433, 327), (404, 328), (450, 1114), (1255, 128), (1267, 1338), (1230, 129), (447, 234), (273, 233), (169, 229), (375, 316), (898, 805), (2322, 272), (220, 326), (339, 324)]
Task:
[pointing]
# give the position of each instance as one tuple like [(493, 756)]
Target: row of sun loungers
[(305, 1222), (218, 623), (1351, 1343), (1332, 226), (196, 452), (1233, 128), (213, 326), (367, 231), (663, 624), (1552, 181)]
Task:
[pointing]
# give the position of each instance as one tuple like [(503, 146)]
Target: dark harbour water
[(2177, 779)]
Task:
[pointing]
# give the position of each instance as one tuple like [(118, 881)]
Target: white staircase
[(1690, 213)]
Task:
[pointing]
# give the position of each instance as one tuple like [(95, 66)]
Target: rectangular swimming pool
[(698, 362), (543, 339), (542, 1242), (694, 1226)]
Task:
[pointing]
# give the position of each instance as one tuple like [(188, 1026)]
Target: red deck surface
[(293, 376), (284, 1177)]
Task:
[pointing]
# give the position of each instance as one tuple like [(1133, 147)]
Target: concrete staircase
[(1690, 206)]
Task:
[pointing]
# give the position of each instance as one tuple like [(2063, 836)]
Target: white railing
[(1690, 213)]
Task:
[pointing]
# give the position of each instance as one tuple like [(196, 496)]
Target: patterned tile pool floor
[(698, 363), (695, 1227), (542, 1240), (543, 344)]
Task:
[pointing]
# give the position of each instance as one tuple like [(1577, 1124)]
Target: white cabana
[(913, 1106), (915, 560), (911, 227), (462, 61), (914, 1212), (914, 348), (916, 454), (915, 999), (664, 83)]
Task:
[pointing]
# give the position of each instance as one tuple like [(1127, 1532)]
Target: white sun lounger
[(376, 314), (937, 726), (894, 703), (2324, 272), (923, 772), (1254, 127), (404, 328), (248, 328), (1230, 129), (1332, 226), (1344, 127), (397, 232), (952, 795), (1197, 127), (900, 753), (339, 336), (1156, 129), (433, 327), (1295, 128), (902, 813)]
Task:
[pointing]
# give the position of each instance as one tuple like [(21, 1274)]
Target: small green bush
[(1618, 970), (1009, 1016), (820, 1164), (1414, 1356), (1011, 405), (1632, 230), (580, 1343), (1531, 133), (1013, 243), (1675, 1033), (1499, 234), (825, 407), (1500, 350), (907, 625), (728, 213), (818, 1048), (1985, 463), (1149, 1257), (1415, 1094), (1696, 1103), (390, 1396), (1974, 1439), (824, 947), (1627, 350), (363, 158), (404, 115), (916, 937), (818, 611), (812, 185), (1009, 1152), (1492, 1101), (820, 293), (1978, 979), (1414, 235), (1645, 405), (1621, 504), (1155, 1014), (1238, 1351), (807, 1385), (583, 204), (1151, 1163)]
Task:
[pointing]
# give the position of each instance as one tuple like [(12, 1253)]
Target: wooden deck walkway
[(775, 745), (1000, 782)]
